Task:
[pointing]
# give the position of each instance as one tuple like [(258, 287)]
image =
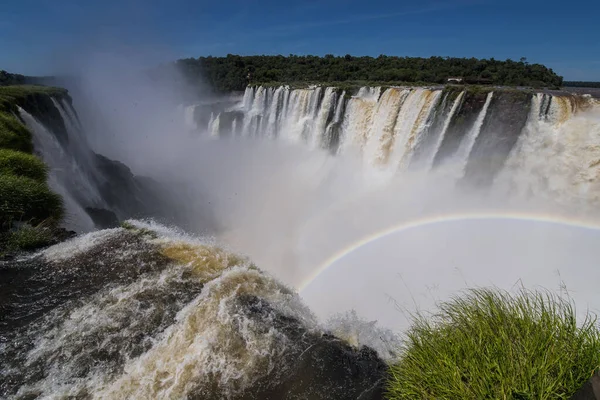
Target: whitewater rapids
[(148, 312)]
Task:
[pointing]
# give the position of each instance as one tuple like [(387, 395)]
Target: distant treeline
[(234, 72), (11, 79), (6, 79), (581, 84)]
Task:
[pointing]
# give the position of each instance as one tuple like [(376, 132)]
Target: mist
[(289, 208)]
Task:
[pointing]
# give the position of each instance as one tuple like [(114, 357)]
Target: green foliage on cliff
[(28, 237), (582, 84), (11, 79), (23, 164), (13, 134), (234, 72), (29, 210), (494, 345), (25, 199)]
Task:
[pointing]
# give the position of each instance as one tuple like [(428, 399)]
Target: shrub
[(23, 164), (13, 134), (27, 237), (490, 344), (24, 199)]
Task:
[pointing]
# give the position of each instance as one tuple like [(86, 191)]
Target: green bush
[(23, 164), (27, 237), (493, 345), (24, 199), (13, 134)]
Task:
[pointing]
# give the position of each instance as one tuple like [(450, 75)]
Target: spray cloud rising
[(291, 177)]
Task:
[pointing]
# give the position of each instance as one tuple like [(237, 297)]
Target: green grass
[(18, 91), (27, 237), (24, 194), (13, 134), (22, 164), (27, 200), (493, 345)]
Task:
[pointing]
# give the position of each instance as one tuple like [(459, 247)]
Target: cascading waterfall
[(411, 125), (440, 137), (381, 132), (357, 120), (97, 191), (149, 312), (466, 146), (214, 125), (66, 176), (396, 128), (318, 136), (572, 143)]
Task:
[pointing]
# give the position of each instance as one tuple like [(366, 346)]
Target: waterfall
[(358, 119), (65, 177), (189, 118), (318, 136), (397, 128), (466, 146), (332, 131), (214, 125), (442, 134), (557, 155), (381, 132), (411, 124)]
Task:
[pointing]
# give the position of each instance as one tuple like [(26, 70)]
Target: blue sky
[(38, 36)]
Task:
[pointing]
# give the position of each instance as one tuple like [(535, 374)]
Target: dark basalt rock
[(471, 105), (317, 366), (590, 390), (40, 105), (103, 219), (503, 124), (127, 195)]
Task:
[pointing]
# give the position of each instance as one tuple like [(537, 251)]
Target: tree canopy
[(234, 72), (583, 84), (7, 79)]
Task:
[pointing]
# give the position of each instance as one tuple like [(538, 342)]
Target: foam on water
[(183, 330)]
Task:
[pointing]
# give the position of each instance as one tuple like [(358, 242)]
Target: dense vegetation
[(584, 84), (234, 72), (494, 345), (29, 210), (11, 79)]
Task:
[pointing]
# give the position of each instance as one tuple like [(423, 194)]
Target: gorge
[(277, 190)]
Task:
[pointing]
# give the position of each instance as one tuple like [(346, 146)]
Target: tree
[(231, 73)]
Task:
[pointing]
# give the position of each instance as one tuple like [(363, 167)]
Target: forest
[(234, 72), (11, 79), (584, 84)]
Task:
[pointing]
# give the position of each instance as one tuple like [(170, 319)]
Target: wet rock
[(103, 218), (317, 366), (590, 390), (503, 124)]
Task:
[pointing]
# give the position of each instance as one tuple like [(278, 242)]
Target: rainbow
[(447, 218)]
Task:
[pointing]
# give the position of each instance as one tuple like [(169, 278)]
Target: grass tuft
[(491, 344), (13, 134), (23, 164), (27, 237), (27, 200)]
